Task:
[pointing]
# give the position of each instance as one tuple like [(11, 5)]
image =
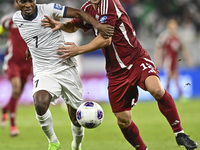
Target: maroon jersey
[(125, 48), (16, 47), (170, 45)]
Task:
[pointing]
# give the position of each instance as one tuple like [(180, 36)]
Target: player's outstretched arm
[(104, 29), (72, 50), (56, 25)]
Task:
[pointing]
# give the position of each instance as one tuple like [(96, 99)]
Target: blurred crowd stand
[(149, 19)]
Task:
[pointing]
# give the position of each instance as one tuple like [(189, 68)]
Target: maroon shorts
[(21, 71), (122, 89)]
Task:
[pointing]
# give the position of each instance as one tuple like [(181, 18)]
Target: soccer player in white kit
[(52, 76)]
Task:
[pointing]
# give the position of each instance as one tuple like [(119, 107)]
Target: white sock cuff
[(45, 116), (176, 133)]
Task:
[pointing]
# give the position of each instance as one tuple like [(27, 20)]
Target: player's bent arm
[(97, 43), (76, 13), (72, 50), (56, 25), (105, 29), (69, 27)]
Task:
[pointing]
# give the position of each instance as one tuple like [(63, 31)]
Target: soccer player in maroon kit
[(16, 68), (128, 65), (168, 46)]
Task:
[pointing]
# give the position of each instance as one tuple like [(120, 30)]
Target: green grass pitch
[(153, 127)]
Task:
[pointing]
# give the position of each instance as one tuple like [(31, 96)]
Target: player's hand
[(105, 30), (49, 22), (67, 51), (28, 55)]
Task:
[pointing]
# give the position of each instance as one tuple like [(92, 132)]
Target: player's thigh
[(72, 90), (148, 77), (122, 95), (47, 82), (154, 86)]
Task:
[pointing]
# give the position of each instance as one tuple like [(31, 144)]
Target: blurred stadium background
[(148, 18)]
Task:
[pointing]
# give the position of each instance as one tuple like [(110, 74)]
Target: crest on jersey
[(58, 6), (103, 19)]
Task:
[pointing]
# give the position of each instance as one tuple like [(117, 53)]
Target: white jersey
[(43, 42)]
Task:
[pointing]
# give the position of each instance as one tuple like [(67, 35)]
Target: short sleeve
[(57, 10), (109, 13)]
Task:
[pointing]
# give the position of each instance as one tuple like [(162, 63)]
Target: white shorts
[(66, 83)]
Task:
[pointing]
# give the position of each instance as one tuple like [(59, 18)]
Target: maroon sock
[(168, 109), (5, 109), (13, 105), (133, 137)]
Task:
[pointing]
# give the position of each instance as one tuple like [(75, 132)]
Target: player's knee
[(123, 122), (40, 108), (41, 102), (16, 93), (157, 92)]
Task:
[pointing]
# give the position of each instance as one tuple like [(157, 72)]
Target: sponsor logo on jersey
[(21, 25), (58, 6), (103, 19)]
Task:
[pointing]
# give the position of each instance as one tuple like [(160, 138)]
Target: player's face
[(172, 26), (96, 2), (27, 7)]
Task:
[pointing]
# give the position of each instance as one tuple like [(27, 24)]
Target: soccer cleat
[(183, 140), (4, 120), (14, 131), (54, 146), (73, 148)]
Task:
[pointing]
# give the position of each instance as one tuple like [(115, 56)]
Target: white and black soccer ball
[(90, 114)]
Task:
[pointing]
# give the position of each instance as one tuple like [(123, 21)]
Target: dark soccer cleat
[(183, 140)]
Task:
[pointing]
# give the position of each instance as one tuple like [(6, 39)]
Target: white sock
[(78, 134), (176, 133), (46, 124)]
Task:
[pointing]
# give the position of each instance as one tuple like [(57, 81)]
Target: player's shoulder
[(86, 5), (16, 16), (52, 6)]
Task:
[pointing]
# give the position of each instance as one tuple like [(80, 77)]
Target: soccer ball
[(89, 114)]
